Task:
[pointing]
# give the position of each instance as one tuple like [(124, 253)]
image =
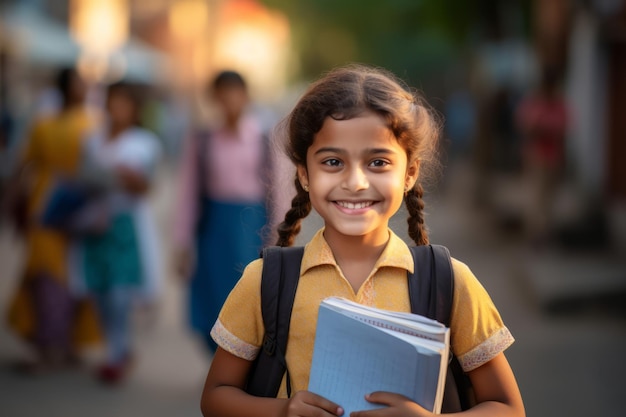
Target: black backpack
[(431, 287)]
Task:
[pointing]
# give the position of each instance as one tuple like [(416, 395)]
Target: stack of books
[(360, 349)]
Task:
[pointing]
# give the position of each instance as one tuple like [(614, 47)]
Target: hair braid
[(300, 208), (415, 206)]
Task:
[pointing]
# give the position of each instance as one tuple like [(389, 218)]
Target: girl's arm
[(497, 394), (223, 394)]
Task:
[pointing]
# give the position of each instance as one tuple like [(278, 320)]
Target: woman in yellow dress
[(43, 311)]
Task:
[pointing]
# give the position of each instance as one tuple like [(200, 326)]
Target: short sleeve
[(477, 331), (239, 328)]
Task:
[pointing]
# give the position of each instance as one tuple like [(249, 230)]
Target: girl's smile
[(354, 206), (356, 174)]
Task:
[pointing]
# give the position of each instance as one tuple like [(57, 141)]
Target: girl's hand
[(308, 404), (396, 405)]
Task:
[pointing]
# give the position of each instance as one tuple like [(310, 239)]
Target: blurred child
[(118, 266), (222, 205)]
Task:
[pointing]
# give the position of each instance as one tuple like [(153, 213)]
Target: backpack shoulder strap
[(431, 286), (279, 282), (431, 289)]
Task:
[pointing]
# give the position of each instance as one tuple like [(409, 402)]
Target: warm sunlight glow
[(188, 19), (99, 26), (255, 41)]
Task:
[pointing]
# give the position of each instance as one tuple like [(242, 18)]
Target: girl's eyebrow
[(379, 151), (329, 149), (367, 151)]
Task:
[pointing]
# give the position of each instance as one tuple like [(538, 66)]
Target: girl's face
[(357, 173)]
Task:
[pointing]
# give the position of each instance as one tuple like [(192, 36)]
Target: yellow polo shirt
[(476, 329)]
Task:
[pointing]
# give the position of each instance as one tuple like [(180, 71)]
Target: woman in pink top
[(221, 203)]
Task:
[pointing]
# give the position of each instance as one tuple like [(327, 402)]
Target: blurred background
[(531, 193)]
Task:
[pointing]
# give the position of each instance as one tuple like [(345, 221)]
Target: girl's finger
[(385, 398), (321, 411), (320, 402), (326, 405), (394, 405)]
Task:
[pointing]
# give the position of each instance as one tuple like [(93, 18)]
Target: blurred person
[(222, 203), (542, 118), (117, 265), (43, 311)]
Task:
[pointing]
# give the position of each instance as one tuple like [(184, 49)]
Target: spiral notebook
[(360, 349)]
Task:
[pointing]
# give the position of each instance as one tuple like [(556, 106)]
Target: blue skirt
[(228, 237)]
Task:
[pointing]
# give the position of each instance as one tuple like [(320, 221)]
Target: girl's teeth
[(354, 206)]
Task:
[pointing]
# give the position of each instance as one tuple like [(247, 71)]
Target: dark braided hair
[(415, 206), (345, 93), (300, 208)]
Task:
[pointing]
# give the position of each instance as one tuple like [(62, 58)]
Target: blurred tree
[(414, 38)]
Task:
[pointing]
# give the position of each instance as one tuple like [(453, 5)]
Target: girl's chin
[(356, 233)]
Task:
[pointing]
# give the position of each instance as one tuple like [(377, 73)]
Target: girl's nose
[(355, 180)]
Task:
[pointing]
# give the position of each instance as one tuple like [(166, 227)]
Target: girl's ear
[(412, 173), (303, 176)]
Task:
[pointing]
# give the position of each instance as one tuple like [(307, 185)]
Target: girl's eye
[(379, 163), (332, 162)]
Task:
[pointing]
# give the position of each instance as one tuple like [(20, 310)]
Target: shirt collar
[(396, 254)]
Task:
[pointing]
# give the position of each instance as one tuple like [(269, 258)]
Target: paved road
[(566, 364)]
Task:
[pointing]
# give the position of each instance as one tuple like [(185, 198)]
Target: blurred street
[(568, 363), (532, 194)]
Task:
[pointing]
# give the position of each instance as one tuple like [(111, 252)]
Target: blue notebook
[(360, 349)]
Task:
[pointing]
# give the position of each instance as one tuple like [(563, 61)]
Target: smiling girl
[(357, 139)]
